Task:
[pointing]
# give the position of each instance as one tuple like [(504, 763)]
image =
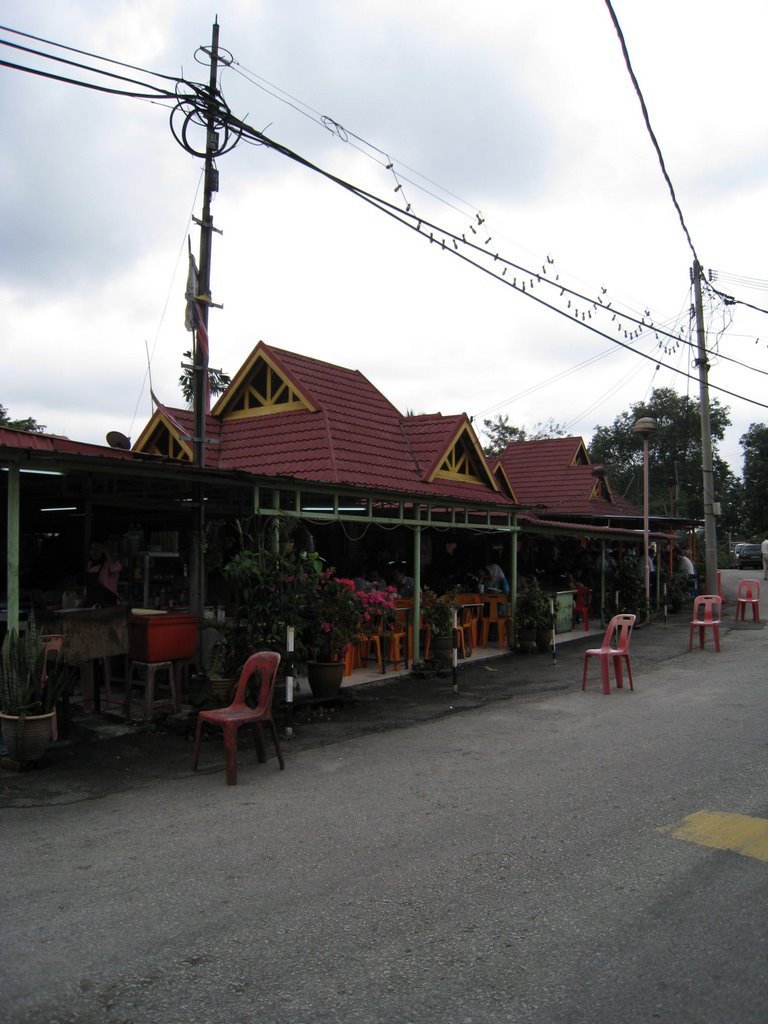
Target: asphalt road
[(516, 863)]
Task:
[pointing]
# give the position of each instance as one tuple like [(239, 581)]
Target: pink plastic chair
[(621, 625), (581, 604), (706, 615), (239, 713), (749, 593)]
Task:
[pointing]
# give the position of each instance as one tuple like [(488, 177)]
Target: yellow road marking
[(736, 832)]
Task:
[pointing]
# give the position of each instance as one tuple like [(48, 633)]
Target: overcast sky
[(517, 112)]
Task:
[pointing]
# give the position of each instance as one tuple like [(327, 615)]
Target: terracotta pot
[(441, 650), (222, 688), (544, 639), (526, 640), (26, 739), (325, 677)]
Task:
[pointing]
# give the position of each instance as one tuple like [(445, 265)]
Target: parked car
[(749, 557), (735, 558)]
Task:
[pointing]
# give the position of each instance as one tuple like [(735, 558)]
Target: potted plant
[(532, 613), (274, 591), (437, 613), (331, 620), (28, 697)]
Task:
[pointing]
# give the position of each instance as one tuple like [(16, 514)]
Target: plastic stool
[(143, 673)]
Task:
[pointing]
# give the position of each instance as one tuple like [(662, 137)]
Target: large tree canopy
[(29, 423), (755, 445), (675, 477)]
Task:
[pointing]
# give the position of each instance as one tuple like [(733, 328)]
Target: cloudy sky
[(517, 113)]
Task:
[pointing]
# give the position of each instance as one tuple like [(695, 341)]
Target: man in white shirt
[(764, 552)]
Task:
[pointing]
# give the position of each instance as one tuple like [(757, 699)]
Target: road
[(512, 865)]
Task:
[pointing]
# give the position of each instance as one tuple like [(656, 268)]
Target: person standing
[(764, 553), (101, 577)]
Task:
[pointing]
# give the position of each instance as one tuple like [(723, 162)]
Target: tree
[(675, 481), (29, 424), (500, 433), (218, 381), (755, 445)]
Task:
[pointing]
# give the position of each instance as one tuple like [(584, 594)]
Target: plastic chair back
[(706, 612), (265, 664), (52, 644), (748, 594), (621, 625), (706, 608), (749, 590)]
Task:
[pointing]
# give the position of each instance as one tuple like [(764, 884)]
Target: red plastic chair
[(706, 615), (581, 607), (749, 593), (622, 626), (52, 644), (238, 713)]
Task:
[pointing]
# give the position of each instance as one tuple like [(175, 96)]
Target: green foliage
[(532, 610), (29, 424), (274, 592), (675, 480), (755, 446), (438, 612), (21, 667), (630, 585), (218, 381), (500, 433)]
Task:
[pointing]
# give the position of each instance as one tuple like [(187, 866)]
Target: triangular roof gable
[(581, 455), (163, 436), (504, 483), (447, 448), (262, 386)]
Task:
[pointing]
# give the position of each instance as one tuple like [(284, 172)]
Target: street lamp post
[(646, 428)]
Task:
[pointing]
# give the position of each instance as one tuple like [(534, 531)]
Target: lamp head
[(645, 427)]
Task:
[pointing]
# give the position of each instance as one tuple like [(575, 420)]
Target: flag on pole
[(193, 316), (182, 432)]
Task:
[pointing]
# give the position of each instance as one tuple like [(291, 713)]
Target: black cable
[(88, 85), (646, 118), (408, 219), (84, 53)]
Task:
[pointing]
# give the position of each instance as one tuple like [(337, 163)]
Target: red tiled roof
[(56, 444), (543, 475), (355, 436)]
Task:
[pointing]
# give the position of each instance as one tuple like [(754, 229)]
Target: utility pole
[(211, 185), (203, 299), (708, 479)]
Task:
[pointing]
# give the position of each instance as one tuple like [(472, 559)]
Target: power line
[(651, 133), (196, 105)]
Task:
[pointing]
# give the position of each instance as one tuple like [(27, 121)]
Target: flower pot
[(441, 650), (526, 639), (26, 739), (545, 639), (222, 688), (325, 677)]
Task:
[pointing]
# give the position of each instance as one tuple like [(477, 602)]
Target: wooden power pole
[(708, 477)]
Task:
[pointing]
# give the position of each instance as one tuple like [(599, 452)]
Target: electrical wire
[(200, 105), (651, 133), (151, 92)]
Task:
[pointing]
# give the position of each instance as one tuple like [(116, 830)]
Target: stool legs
[(144, 674)]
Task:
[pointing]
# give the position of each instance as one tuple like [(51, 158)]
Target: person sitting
[(494, 579), (402, 582)]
